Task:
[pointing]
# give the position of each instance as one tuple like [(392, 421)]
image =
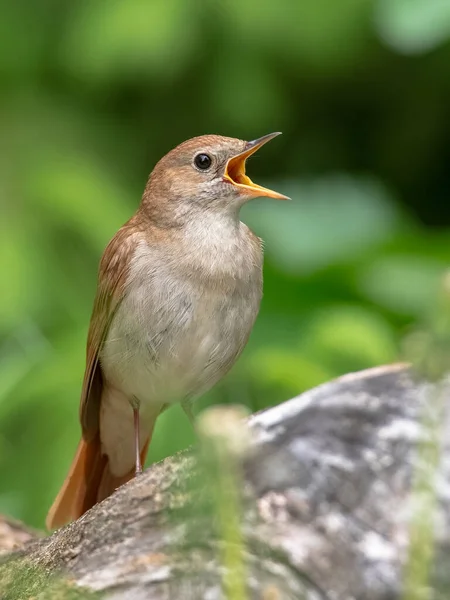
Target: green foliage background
[(94, 93)]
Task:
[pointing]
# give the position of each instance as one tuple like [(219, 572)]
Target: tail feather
[(89, 481)]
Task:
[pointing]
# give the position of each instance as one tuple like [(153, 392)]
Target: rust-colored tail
[(89, 481)]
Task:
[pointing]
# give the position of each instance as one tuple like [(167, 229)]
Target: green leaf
[(260, 99), (348, 338), (323, 34), (110, 39), (413, 26), (18, 265), (286, 368), (329, 221), (80, 193), (407, 285), (18, 355)]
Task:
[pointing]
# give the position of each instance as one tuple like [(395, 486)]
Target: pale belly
[(171, 346), (172, 338)]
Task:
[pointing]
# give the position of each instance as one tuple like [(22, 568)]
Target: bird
[(179, 289)]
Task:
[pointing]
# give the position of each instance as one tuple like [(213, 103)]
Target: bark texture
[(344, 493)]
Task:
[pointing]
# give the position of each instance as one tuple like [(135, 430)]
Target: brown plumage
[(179, 288)]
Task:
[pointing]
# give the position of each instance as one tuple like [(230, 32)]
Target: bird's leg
[(187, 407), (137, 441)]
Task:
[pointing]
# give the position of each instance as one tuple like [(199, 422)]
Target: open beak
[(235, 171)]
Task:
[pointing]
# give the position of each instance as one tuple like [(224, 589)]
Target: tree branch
[(337, 501)]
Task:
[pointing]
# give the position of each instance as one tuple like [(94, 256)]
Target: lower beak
[(235, 171)]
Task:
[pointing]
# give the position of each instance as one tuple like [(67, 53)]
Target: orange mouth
[(235, 171)]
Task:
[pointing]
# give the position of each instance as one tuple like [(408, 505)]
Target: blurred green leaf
[(22, 43), (16, 265), (324, 34), (259, 100), (347, 338), (111, 38), (413, 26), (291, 370), (335, 341), (329, 221), (78, 192), (404, 284), (18, 355)]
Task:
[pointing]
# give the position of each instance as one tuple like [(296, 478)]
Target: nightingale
[(179, 289)]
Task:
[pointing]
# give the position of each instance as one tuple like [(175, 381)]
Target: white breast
[(183, 324)]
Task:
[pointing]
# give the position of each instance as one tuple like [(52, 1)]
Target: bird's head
[(206, 173)]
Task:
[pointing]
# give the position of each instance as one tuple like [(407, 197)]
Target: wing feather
[(112, 278)]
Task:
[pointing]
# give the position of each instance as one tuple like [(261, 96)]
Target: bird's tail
[(89, 481)]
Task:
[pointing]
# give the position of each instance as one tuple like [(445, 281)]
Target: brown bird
[(179, 289)]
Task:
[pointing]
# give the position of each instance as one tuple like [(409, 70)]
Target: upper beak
[(235, 170)]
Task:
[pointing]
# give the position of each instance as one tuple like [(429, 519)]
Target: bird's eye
[(202, 161)]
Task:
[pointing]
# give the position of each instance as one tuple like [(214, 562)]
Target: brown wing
[(111, 283)]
